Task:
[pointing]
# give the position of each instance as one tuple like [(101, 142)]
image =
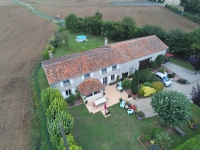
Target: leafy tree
[(98, 15), (153, 30), (172, 107), (59, 37), (196, 94), (135, 82), (128, 21), (72, 23)]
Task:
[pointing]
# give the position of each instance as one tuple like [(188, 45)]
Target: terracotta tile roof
[(70, 66), (89, 86)]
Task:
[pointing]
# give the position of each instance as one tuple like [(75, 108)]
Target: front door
[(105, 81)]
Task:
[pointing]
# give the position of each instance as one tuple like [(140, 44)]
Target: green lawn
[(119, 131), (74, 46)]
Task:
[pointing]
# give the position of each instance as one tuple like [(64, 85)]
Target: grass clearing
[(119, 131), (75, 47)]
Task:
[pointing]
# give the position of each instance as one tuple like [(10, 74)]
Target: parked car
[(163, 78)]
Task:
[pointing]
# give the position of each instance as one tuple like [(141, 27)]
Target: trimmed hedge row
[(193, 143)]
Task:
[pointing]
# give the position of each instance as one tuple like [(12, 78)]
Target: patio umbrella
[(105, 107)]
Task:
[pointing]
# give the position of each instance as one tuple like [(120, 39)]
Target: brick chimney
[(50, 54), (105, 41)]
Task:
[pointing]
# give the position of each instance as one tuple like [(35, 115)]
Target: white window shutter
[(100, 71), (117, 66), (111, 68), (115, 76), (64, 94), (71, 81), (102, 81), (61, 84), (91, 74), (73, 91), (82, 77)]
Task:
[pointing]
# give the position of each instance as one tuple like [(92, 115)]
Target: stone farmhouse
[(91, 70)]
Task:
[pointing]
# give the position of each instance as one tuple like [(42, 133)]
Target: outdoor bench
[(181, 132)]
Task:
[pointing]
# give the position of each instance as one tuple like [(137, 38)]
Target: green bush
[(192, 144), (183, 81), (170, 75), (78, 95), (162, 70), (151, 131), (141, 92), (153, 78), (152, 64), (192, 17), (163, 140), (144, 75), (159, 60), (71, 99), (126, 84), (147, 84), (159, 86)]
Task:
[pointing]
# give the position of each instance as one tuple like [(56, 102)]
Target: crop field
[(155, 15), (23, 37)]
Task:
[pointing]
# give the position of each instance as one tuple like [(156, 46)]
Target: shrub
[(163, 140), (147, 84), (145, 75), (192, 143), (78, 95), (71, 99), (135, 82), (153, 78), (162, 70), (159, 60), (126, 84), (152, 64), (141, 92), (131, 75), (170, 75), (148, 91), (159, 86), (153, 147), (151, 131), (183, 81), (141, 114)]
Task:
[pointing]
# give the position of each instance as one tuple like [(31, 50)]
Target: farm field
[(23, 38), (155, 15)]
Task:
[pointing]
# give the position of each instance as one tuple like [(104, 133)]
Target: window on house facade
[(68, 92), (87, 75), (89, 95), (96, 92), (114, 67), (112, 77), (104, 70), (66, 82)]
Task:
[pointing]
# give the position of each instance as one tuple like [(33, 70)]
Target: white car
[(163, 78)]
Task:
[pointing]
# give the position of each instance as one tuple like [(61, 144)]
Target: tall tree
[(135, 82), (128, 21), (172, 107), (195, 62), (72, 23), (196, 94)]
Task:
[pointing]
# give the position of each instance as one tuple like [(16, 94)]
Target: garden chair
[(122, 104), (130, 111)]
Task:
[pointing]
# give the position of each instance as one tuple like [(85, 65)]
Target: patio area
[(112, 95)]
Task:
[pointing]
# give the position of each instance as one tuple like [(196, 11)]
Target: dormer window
[(114, 67), (66, 82), (104, 70), (87, 75)]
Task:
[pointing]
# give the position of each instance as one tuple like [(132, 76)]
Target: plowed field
[(23, 36), (155, 15)]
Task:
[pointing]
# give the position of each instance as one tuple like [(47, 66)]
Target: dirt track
[(23, 37)]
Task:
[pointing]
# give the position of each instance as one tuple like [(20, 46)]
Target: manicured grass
[(75, 47), (119, 131), (182, 63)]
